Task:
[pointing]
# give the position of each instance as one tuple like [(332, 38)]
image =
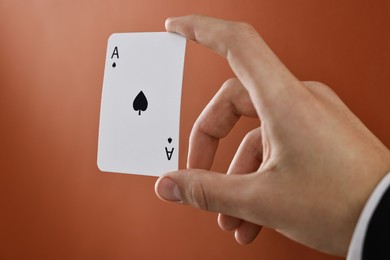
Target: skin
[(306, 171)]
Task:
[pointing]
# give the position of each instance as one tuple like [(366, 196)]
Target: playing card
[(140, 106)]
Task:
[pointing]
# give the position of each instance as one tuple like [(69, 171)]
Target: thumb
[(227, 194)]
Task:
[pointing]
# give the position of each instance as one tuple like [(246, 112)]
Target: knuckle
[(252, 135), (252, 142), (317, 84), (240, 30), (249, 138), (197, 196), (229, 84), (200, 125), (324, 89), (232, 88), (245, 28)]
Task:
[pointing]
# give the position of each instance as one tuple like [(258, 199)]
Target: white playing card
[(140, 107)]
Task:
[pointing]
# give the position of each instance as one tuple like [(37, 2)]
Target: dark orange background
[(54, 202)]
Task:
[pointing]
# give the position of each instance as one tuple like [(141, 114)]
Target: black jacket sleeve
[(377, 239)]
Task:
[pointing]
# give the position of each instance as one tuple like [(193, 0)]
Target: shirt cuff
[(356, 246)]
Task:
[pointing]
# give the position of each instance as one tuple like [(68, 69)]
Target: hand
[(308, 169)]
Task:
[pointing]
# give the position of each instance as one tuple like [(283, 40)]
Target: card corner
[(100, 166), (112, 35)]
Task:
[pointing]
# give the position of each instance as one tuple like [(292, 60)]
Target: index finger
[(267, 80)]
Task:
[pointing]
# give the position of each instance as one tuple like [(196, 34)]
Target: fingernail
[(167, 189)]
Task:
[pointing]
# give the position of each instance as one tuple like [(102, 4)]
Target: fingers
[(247, 159), (228, 194), (247, 232), (216, 121), (267, 80), (249, 154), (228, 223), (244, 232)]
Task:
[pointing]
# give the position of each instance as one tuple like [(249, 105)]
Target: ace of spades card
[(140, 105)]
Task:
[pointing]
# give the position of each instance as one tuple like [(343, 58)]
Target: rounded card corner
[(100, 166), (112, 35)]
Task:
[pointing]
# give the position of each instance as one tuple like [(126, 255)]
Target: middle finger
[(216, 121)]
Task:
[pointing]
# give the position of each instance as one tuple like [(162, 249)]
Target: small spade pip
[(140, 103)]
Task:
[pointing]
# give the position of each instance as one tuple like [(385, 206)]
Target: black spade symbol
[(140, 103), (169, 140), (114, 65)]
